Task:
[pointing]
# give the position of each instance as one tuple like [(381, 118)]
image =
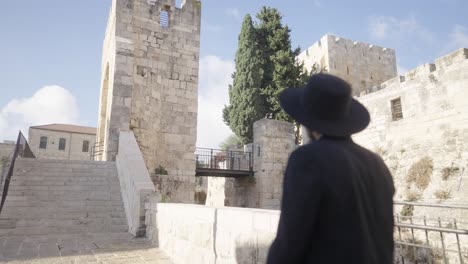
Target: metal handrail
[(216, 159), (93, 153), (422, 240), (22, 149), (445, 206), (432, 228)]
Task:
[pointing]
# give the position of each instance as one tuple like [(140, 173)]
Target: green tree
[(265, 66), (279, 60), (246, 103)]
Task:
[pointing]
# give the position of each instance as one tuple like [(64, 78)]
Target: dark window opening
[(62, 144), (85, 146), (397, 110), (164, 17), (43, 143), (347, 69)]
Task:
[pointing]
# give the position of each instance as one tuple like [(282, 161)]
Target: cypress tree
[(246, 103), (280, 64), (265, 66)]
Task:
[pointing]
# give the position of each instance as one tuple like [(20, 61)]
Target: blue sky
[(57, 44)]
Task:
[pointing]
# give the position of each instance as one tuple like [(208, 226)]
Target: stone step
[(70, 222), (57, 171), (49, 197), (42, 230), (52, 191), (38, 215), (66, 188), (55, 206), (64, 174), (31, 162), (66, 213), (61, 183), (67, 204)]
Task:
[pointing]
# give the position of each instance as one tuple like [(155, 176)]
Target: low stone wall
[(200, 234), (135, 182)]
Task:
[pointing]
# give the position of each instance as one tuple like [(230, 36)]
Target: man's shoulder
[(313, 151), (329, 149)]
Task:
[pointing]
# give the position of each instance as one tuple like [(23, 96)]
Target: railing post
[(211, 159)]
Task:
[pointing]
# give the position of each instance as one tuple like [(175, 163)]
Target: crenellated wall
[(362, 65), (426, 150)]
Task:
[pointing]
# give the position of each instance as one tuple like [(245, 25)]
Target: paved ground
[(77, 249)]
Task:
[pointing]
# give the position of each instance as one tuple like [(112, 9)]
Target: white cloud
[(458, 38), (215, 77), (397, 29), (233, 12), (50, 104)]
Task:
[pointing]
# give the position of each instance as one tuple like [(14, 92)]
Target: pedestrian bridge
[(223, 163)]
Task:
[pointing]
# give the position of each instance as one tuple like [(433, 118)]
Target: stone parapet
[(135, 182), (199, 234)]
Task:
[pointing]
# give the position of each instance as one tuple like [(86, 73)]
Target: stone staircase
[(50, 197)]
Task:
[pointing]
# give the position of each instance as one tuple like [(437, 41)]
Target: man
[(337, 197)]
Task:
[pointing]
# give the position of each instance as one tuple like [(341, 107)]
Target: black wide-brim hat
[(325, 105)]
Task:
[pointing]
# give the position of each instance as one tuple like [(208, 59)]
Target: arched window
[(43, 143)]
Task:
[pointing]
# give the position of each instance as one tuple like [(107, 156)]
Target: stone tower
[(150, 81), (361, 64)]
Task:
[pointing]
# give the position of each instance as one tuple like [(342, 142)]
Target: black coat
[(337, 206)]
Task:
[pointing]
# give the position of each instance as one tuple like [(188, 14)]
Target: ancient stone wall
[(425, 145), (150, 83), (361, 64), (273, 143)]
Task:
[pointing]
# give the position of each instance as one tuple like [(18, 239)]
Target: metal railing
[(23, 150), (96, 150), (224, 159), (433, 240)]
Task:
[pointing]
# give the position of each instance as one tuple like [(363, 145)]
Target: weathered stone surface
[(150, 83), (199, 234), (89, 248), (431, 137), (361, 64), (135, 182), (49, 197)]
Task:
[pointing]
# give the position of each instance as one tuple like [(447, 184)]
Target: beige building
[(60, 141)]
